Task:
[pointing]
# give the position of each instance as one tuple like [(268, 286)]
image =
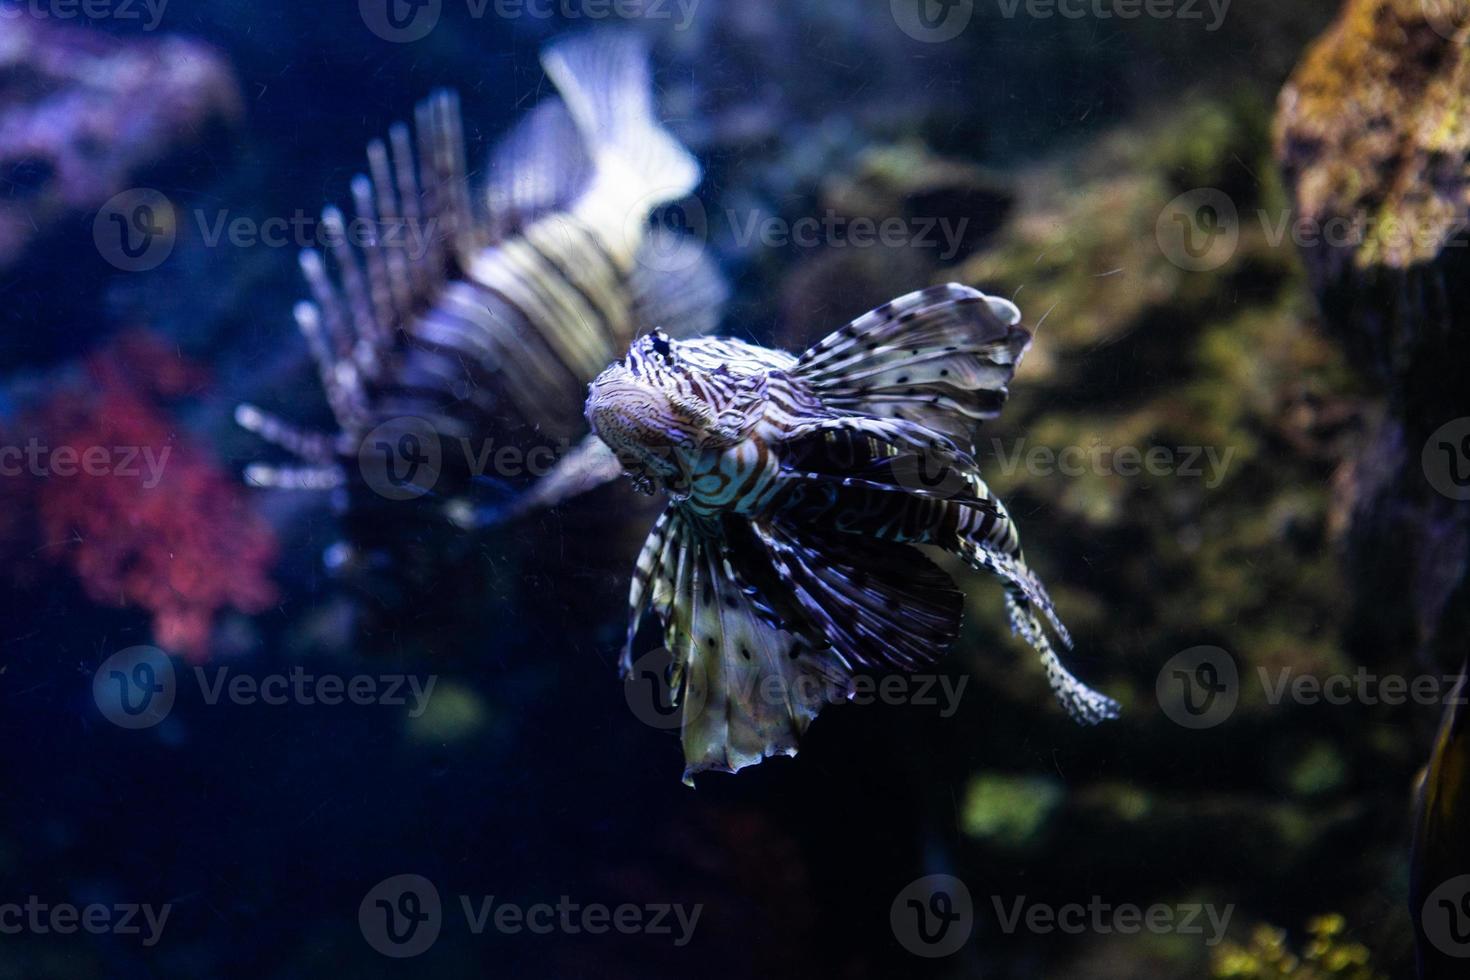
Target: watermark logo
[(943, 236), (1210, 464), (401, 21), (932, 21), (1447, 18), (402, 916), (401, 459), (135, 230), (651, 697), (1199, 688), (135, 688), (933, 916), (1446, 917), (1199, 230), (938, 474), (1446, 459), (675, 240), (929, 474)]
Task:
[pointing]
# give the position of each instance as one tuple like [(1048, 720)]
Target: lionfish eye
[(661, 346)]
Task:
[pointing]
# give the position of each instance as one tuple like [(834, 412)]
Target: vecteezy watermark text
[(1201, 687), (406, 21), (1200, 230), (38, 918), (1105, 918), (149, 11), (136, 230), (938, 21), (403, 458), (1190, 462), (934, 916), (145, 463), (833, 230), (1360, 687), (136, 688), (403, 916), (1183, 10), (649, 697), (412, 237)]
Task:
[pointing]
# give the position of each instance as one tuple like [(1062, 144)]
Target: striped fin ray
[(879, 604), (748, 689), (993, 546), (1086, 706), (650, 565), (848, 479), (941, 357), (488, 316), (363, 295)]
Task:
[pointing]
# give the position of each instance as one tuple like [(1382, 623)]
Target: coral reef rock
[(1373, 137), (83, 114)]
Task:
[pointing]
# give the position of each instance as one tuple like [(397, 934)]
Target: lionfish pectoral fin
[(588, 466), (654, 565), (941, 357), (879, 604), (639, 166), (747, 688)]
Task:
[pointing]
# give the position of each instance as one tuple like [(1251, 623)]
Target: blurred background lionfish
[(478, 326)]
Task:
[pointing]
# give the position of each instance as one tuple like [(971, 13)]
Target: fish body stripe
[(529, 272)]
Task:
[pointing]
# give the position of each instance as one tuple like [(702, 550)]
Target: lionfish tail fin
[(639, 165), (941, 357)]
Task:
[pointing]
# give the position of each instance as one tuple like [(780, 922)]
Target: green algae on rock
[(1373, 137)]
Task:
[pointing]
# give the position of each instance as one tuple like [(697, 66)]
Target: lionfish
[(492, 327), (799, 488)]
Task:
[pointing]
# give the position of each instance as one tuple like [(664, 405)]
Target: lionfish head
[(639, 407)]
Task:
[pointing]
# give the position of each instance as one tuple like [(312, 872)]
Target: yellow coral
[(1328, 953)]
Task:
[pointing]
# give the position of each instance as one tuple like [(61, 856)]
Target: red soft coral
[(164, 528)]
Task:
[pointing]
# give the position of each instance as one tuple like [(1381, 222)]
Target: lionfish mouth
[(622, 414)]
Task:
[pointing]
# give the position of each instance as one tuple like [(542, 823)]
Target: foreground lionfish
[(485, 324), (799, 486)]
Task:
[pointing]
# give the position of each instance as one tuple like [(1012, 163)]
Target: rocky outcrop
[(1373, 137), (83, 114)]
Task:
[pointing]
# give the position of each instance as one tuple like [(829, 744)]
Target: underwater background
[(1239, 450)]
